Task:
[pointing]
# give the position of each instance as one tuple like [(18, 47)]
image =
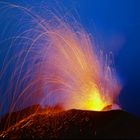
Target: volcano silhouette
[(71, 124)]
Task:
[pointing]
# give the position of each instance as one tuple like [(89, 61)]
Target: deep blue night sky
[(116, 25)]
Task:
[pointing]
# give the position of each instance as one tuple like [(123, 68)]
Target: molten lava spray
[(55, 61), (74, 72)]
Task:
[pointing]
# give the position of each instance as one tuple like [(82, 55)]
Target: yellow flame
[(95, 101)]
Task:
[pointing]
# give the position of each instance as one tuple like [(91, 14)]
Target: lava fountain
[(75, 72), (57, 62)]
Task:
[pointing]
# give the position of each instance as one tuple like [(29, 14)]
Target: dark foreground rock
[(11, 118), (75, 124)]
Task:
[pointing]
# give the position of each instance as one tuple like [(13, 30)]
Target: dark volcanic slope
[(76, 124), (10, 119)]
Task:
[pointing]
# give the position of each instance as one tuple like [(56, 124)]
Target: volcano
[(73, 123)]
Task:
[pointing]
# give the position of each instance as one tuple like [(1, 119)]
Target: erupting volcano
[(54, 62)]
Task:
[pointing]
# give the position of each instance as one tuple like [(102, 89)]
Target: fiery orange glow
[(95, 101), (74, 71), (57, 62)]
